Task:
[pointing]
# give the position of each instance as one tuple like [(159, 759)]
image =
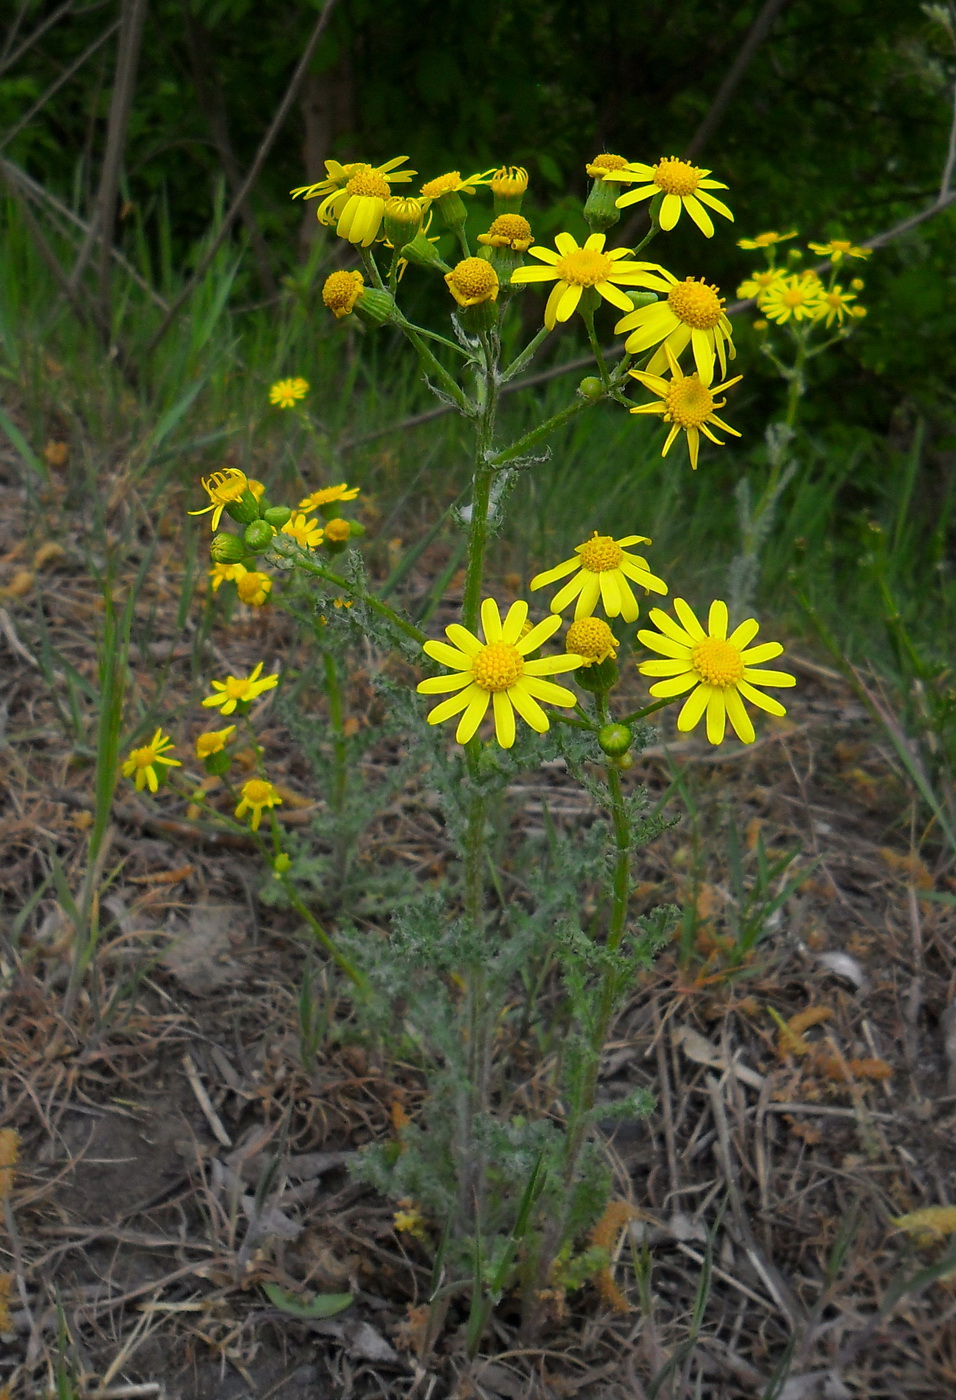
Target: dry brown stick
[(242, 193), (55, 86), (754, 37), (9, 60)]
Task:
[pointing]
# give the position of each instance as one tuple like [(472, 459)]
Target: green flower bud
[(603, 675), (625, 761), (277, 516), (591, 388), (217, 763), (615, 740), (281, 863), (258, 535), (422, 253), (245, 510), (227, 549), (452, 209), (639, 299), (600, 208), (375, 306)]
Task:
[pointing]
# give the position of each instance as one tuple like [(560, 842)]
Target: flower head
[(720, 671), (766, 240), (326, 494), (213, 741), (760, 282), (237, 690), (308, 533), (603, 570), (357, 209), (409, 1219), (340, 292), (835, 304), (497, 672), (509, 231), (472, 281), (838, 249), (254, 588), (693, 313), (256, 795), (338, 176), (592, 640), (452, 183), (225, 573), (684, 186), (686, 403), (509, 182), (285, 392), (223, 489), (338, 529), (799, 295), (142, 762), (603, 165), (576, 268)]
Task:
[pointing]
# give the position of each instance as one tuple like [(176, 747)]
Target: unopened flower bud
[(281, 864), (591, 388), (639, 299), (245, 510), (600, 207), (227, 549), (603, 675), (508, 186), (277, 516), (403, 219), (422, 253), (217, 763), (258, 535), (375, 306), (615, 739)]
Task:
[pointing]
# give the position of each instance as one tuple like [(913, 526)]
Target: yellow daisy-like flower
[(497, 672), (766, 240), (256, 795), (223, 489), (509, 182), (798, 296), (835, 304), (338, 529), (473, 281), (452, 183), (693, 314), (603, 570), (509, 231), (225, 573), (686, 403), (143, 761), (357, 210), (606, 164), (720, 671), (575, 268), (592, 640), (326, 494), (340, 292), (759, 282), (254, 588), (285, 392), (684, 186), (236, 690), (339, 175), (839, 248), (308, 533), (213, 741)]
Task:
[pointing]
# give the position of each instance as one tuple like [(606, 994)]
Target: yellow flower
[(237, 690), (497, 672), (213, 741), (838, 249), (835, 304), (766, 240), (409, 1220), (452, 183), (256, 487), (603, 165), (592, 640), (759, 282), (472, 281), (223, 489), (687, 404), (285, 392), (225, 573), (338, 530), (308, 533), (339, 175), (509, 182), (509, 231), (682, 185), (603, 570), (340, 292), (143, 761), (326, 494), (254, 588), (692, 314), (798, 295), (717, 669), (256, 795), (576, 268), (357, 210)]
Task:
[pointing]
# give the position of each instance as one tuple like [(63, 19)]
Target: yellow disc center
[(144, 758), (696, 304), (236, 687), (510, 226), (370, 184), (224, 487), (474, 277), (717, 662), (497, 666), (600, 553), (256, 792), (584, 267), (675, 176), (444, 184), (342, 289), (689, 403), (592, 638), (605, 161), (794, 296)]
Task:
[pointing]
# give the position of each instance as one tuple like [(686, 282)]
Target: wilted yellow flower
[(223, 489), (592, 640), (452, 183), (509, 231), (326, 494), (766, 240), (472, 282), (142, 762), (605, 164), (339, 175), (338, 530), (340, 292), (285, 392), (256, 796)]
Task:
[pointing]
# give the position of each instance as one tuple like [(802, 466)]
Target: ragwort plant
[(503, 1184)]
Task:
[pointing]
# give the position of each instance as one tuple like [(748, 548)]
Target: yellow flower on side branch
[(338, 176), (759, 282), (325, 495), (340, 292), (213, 741), (308, 533), (497, 672), (766, 240), (684, 186), (254, 588), (286, 392), (509, 231), (720, 671), (693, 314), (576, 268), (835, 304), (452, 183), (256, 796), (839, 248), (799, 296), (603, 570), (473, 281), (607, 164), (687, 404), (225, 573), (236, 690), (142, 762), (592, 640)]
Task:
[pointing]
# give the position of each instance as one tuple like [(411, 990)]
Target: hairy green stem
[(310, 566), (526, 356), (481, 494)]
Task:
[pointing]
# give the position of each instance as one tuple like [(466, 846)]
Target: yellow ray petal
[(693, 707), (504, 719), (716, 717), (474, 714), (738, 716)]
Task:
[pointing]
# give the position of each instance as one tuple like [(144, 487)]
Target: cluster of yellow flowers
[(791, 293)]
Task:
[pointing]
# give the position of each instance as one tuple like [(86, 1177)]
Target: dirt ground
[(180, 1157)]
